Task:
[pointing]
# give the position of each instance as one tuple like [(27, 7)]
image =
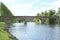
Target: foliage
[(58, 15), (46, 21), (5, 11), (49, 13), (37, 21)]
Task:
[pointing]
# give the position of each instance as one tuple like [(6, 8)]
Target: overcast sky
[(30, 7)]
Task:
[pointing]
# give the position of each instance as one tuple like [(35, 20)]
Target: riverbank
[(4, 33), (10, 35)]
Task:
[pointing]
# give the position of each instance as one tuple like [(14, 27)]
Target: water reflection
[(35, 32)]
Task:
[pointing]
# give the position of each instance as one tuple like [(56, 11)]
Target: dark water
[(35, 32)]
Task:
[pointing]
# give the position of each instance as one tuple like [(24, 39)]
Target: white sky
[(30, 7)]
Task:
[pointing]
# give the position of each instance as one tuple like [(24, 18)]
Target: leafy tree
[(42, 14), (5, 11), (46, 13), (38, 14), (37, 21), (50, 13), (58, 14)]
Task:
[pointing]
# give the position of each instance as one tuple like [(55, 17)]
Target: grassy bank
[(3, 34)]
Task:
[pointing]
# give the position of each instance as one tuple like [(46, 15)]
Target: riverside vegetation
[(49, 20), (4, 35), (4, 11)]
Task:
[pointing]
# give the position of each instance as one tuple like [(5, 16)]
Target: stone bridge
[(25, 18)]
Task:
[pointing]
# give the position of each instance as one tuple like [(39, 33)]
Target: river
[(31, 31)]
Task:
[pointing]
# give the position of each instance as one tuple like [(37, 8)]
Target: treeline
[(49, 20)]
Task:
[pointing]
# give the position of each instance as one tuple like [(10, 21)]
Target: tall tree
[(4, 10), (51, 12), (58, 14)]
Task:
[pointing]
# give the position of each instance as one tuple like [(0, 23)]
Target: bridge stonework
[(25, 18)]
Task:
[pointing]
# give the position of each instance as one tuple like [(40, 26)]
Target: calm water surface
[(31, 31)]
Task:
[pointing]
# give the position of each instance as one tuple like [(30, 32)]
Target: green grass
[(2, 24), (3, 34)]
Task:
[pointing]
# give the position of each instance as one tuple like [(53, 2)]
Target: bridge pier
[(25, 22)]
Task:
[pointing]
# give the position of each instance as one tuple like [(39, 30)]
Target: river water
[(31, 31)]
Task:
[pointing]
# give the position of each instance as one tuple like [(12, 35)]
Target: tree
[(38, 14), (37, 21), (4, 10), (51, 13), (58, 14)]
